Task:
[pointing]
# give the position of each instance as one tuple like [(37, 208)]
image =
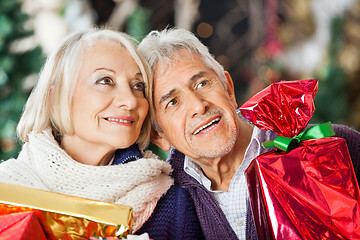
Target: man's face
[(195, 112)]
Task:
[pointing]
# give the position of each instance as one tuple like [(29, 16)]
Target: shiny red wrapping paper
[(21, 226), (310, 192), (285, 107)]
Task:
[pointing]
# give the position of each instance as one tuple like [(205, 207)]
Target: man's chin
[(215, 150)]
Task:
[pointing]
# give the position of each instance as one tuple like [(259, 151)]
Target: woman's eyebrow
[(106, 69), (139, 74)]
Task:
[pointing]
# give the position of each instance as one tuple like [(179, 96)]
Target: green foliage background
[(14, 69)]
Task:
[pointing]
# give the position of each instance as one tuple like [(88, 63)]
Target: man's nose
[(196, 104)]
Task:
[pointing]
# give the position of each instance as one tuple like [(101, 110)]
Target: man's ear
[(230, 88), (159, 140)]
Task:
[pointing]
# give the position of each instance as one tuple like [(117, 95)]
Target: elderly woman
[(84, 128)]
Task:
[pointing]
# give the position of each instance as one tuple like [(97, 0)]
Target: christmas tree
[(15, 67)]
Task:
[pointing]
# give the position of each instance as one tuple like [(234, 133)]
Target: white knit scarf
[(44, 165)]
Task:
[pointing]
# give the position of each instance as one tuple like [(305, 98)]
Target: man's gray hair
[(160, 49)]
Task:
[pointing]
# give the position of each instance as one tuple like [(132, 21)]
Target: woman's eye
[(172, 103), (139, 86), (105, 81)]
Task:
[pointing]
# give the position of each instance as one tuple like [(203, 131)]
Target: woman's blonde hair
[(58, 78)]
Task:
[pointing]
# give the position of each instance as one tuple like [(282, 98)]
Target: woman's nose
[(125, 98)]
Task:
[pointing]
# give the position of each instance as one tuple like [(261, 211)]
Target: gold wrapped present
[(67, 217)]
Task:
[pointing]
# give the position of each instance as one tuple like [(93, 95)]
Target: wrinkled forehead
[(167, 63)]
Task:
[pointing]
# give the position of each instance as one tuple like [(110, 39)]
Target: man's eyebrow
[(167, 96), (197, 76), (172, 91)]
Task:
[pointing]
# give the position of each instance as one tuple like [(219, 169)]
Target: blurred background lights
[(258, 42), (204, 30)]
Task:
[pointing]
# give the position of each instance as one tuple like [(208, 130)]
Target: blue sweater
[(174, 216)]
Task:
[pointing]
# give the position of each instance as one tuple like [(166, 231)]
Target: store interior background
[(258, 41)]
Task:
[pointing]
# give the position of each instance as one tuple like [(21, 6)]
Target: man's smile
[(207, 126)]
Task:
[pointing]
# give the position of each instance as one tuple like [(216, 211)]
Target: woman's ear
[(159, 140)]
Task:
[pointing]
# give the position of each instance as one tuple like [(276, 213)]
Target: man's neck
[(221, 170)]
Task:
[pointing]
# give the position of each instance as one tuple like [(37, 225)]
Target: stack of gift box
[(27, 213)]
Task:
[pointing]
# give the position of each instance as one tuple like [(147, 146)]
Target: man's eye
[(202, 84), (172, 103), (105, 81)]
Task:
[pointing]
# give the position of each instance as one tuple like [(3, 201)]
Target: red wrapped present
[(21, 226), (308, 189), (65, 217)]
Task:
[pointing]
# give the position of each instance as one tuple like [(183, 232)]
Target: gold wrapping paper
[(67, 217)]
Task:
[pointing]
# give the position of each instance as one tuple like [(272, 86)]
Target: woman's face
[(108, 103)]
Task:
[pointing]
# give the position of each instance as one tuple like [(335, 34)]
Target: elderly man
[(196, 113)]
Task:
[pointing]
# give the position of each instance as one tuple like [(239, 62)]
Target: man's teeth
[(119, 120), (207, 125)]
